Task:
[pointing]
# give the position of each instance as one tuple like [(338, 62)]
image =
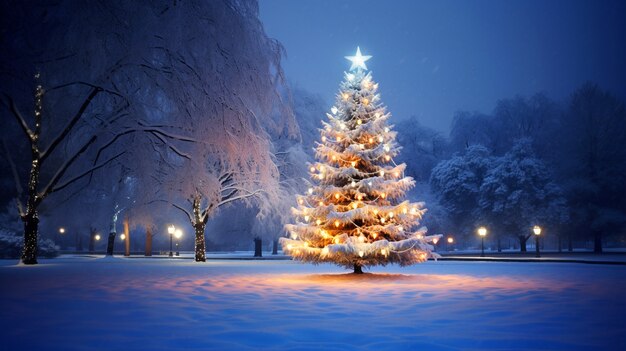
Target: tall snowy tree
[(354, 214)]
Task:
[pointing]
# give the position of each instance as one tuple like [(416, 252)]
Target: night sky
[(434, 58)]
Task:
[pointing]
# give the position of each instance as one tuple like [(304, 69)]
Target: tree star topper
[(358, 60)]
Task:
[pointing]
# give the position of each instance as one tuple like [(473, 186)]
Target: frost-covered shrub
[(11, 246)]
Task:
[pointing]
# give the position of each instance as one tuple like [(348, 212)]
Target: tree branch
[(89, 171), (20, 120), (68, 127), (185, 212), (16, 178)]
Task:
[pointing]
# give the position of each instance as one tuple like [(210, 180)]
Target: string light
[(383, 252), (353, 184), (354, 206), (312, 169), (321, 203), (337, 196), (310, 190), (345, 96), (361, 253), (390, 214), (318, 222), (396, 174), (358, 121), (386, 129), (324, 139), (387, 157), (353, 163), (382, 219), (380, 139), (334, 110), (366, 101), (382, 195), (382, 173), (325, 251), (306, 218), (371, 140), (337, 223), (359, 197), (386, 148)]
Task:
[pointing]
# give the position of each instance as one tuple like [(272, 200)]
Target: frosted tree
[(354, 214)]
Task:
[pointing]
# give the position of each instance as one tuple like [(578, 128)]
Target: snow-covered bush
[(11, 246)]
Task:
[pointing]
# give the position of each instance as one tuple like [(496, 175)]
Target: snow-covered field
[(162, 304)]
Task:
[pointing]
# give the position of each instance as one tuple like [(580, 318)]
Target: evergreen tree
[(354, 214)]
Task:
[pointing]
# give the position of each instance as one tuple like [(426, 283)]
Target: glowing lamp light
[(337, 224), (123, 236), (312, 169), (97, 237), (380, 139), (334, 158), (178, 234), (366, 101), (387, 157), (400, 228), (371, 140), (382, 219), (377, 115), (324, 233), (345, 96), (396, 174), (321, 203), (289, 246), (325, 251), (334, 110), (420, 236), (404, 210), (171, 229), (294, 236), (300, 201), (306, 218), (537, 230), (386, 129), (354, 205), (353, 184), (310, 190), (62, 230), (342, 125), (361, 253), (435, 241), (375, 212), (337, 196), (318, 222), (353, 163), (374, 235), (450, 240), (323, 139), (359, 197), (383, 252), (361, 239), (358, 121), (306, 244), (386, 147), (383, 195), (382, 173), (390, 214), (482, 231), (413, 210), (338, 139)]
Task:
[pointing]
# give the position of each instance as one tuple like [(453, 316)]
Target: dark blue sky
[(434, 58)]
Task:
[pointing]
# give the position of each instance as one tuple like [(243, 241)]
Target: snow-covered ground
[(162, 304)]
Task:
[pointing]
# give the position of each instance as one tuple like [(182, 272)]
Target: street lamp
[(482, 231), (61, 230), (537, 231), (123, 236), (97, 237), (171, 231), (450, 242), (178, 234)]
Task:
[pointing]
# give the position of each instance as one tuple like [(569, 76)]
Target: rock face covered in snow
[(354, 214)]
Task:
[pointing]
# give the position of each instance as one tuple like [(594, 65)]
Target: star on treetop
[(358, 60)]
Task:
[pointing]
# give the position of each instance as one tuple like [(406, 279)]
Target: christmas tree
[(354, 214)]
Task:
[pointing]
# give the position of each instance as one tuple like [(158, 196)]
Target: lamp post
[(171, 230), (178, 234), (537, 231), (450, 242), (482, 231)]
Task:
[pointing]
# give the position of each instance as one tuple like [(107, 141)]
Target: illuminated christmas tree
[(354, 214)]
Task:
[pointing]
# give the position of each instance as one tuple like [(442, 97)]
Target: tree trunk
[(258, 247), (275, 247), (358, 269), (597, 241), (148, 241), (522, 242), (79, 242), (200, 246), (31, 228), (92, 240), (127, 240), (111, 243)]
